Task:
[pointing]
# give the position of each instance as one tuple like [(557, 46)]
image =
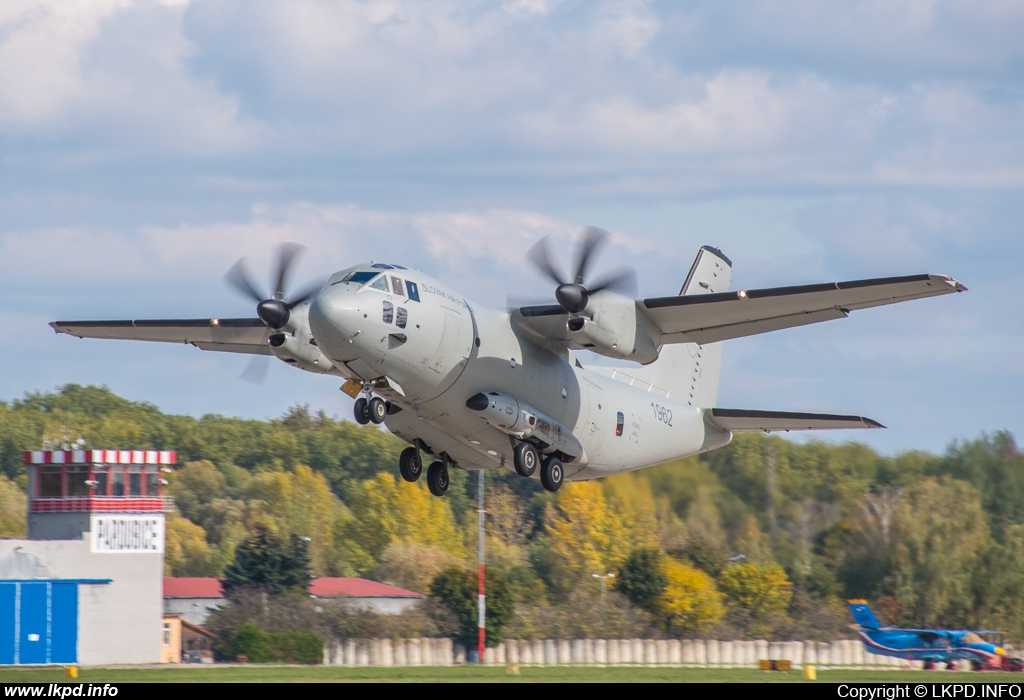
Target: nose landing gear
[(373, 410)]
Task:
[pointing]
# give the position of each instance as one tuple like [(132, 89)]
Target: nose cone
[(334, 317)]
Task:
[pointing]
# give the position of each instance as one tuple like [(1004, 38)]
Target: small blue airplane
[(931, 646)]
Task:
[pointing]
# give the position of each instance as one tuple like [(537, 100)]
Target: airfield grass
[(475, 674)]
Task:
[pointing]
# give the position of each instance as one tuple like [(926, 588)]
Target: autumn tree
[(186, 551), (13, 506), (689, 603), (584, 530), (757, 596)]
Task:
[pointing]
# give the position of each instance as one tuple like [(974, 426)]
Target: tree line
[(762, 538)]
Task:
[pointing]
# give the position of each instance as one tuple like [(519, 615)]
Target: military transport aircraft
[(931, 646), (486, 388)]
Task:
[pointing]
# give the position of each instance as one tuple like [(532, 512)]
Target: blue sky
[(145, 146)]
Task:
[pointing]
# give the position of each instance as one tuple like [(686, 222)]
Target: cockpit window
[(389, 312), (356, 277), (380, 283), (383, 266), (396, 285)]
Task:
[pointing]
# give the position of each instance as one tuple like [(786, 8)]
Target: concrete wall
[(120, 622), (696, 653)]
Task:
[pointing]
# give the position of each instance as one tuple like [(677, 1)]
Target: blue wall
[(38, 622)]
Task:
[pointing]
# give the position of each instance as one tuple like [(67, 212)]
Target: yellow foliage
[(689, 602), (13, 506), (630, 496), (387, 511), (585, 531), (762, 592), (186, 552), (300, 503)]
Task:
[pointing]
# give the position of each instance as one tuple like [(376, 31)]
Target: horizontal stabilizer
[(744, 421)]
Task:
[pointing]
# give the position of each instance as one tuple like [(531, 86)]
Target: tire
[(410, 464), (362, 411), (552, 473), (525, 459), (377, 409), (437, 478)]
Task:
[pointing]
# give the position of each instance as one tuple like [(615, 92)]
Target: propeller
[(273, 310), (573, 295)]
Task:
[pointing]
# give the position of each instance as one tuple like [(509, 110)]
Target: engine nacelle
[(612, 326), (521, 420), (304, 355)]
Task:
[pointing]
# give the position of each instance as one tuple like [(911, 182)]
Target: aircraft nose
[(334, 317)]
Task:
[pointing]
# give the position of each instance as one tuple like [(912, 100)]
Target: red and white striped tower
[(481, 598)]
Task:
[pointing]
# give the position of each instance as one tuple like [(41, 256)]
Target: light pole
[(604, 578), (481, 614)]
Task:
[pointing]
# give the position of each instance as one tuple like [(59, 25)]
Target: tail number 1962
[(663, 414)]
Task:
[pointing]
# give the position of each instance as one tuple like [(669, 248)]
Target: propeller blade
[(256, 371), (623, 280), (593, 237), (285, 258), (538, 254), (238, 277), (308, 293)]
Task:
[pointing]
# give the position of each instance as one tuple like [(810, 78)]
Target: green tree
[(268, 563), (642, 578), (938, 534), (457, 590)]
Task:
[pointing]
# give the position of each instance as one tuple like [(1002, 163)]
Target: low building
[(85, 586), (195, 599), (359, 592), (184, 642)]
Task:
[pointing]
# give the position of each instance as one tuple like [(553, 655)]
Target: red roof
[(193, 588), (320, 587)]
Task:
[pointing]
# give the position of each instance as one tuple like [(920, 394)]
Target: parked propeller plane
[(929, 645), (487, 388)]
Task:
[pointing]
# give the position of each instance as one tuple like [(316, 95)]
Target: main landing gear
[(374, 410), (526, 457), (437, 478), (410, 466), (552, 473)]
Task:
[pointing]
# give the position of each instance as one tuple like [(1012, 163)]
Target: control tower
[(70, 491)]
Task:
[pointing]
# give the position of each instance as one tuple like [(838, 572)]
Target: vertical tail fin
[(690, 372), (862, 614)]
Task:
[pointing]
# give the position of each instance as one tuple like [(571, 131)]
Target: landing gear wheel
[(525, 458), (929, 665), (552, 474), (437, 478), (410, 464), (378, 410), (362, 411)]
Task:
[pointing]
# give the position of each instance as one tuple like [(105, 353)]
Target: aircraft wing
[(709, 318), (742, 421), (242, 335)]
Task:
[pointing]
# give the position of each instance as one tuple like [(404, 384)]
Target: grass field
[(471, 674)]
